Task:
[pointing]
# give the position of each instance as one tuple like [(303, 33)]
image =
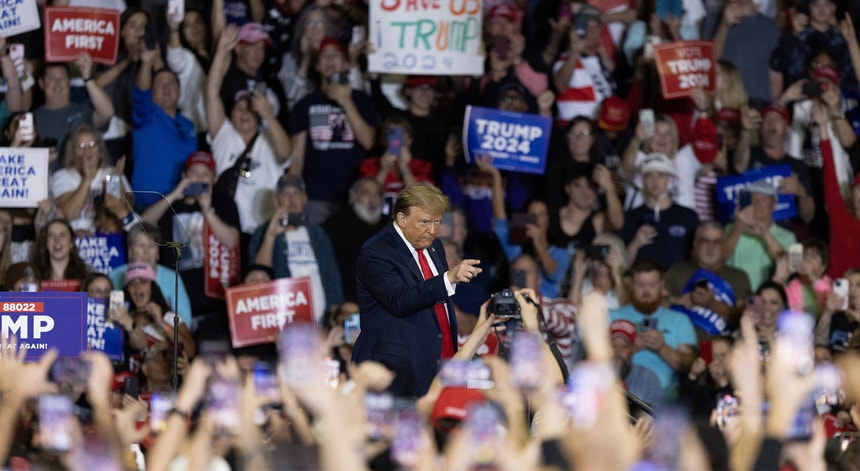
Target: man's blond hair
[(423, 196)]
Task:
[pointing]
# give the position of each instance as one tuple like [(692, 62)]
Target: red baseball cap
[(421, 80), (731, 116), (826, 72), (330, 41), (705, 143), (502, 10), (623, 328), (614, 114), (453, 402), (200, 157), (776, 109)]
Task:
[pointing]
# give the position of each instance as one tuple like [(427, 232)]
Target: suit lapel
[(405, 255)]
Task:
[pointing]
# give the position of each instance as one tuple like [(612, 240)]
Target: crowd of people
[(680, 323)]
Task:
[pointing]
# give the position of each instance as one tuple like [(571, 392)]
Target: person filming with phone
[(292, 247), (666, 340), (196, 207)]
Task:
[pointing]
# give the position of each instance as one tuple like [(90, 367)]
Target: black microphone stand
[(177, 255)]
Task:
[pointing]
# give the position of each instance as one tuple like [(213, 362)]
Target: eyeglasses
[(513, 100), (579, 133), (316, 24), (91, 145)]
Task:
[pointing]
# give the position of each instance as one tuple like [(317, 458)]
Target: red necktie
[(441, 312)]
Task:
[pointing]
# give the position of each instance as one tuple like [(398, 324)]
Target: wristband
[(88, 79), (179, 412)]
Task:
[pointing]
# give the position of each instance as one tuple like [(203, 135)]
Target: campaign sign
[(702, 317), (426, 37), (71, 30), (23, 176), (102, 252), (258, 313), (728, 189), (18, 16), (517, 141), (66, 286), (41, 321), (102, 333), (685, 65), (221, 265)]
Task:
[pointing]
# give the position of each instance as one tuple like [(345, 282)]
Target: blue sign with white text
[(41, 321), (517, 141), (728, 189), (102, 334)]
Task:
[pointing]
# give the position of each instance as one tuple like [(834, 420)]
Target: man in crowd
[(162, 137), (715, 305), (666, 340), (754, 241), (59, 115), (350, 227), (331, 130), (639, 381), (294, 249), (659, 229), (404, 293)]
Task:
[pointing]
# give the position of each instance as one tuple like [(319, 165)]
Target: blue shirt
[(676, 328), (160, 146)]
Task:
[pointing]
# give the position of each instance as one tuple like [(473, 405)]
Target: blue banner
[(517, 141), (45, 320), (702, 317), (102, 252), (728, 189), (102, 333)]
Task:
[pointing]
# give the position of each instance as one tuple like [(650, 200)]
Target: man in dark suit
[(407, 317)]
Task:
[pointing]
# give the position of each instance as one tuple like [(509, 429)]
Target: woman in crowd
[(530, 237), (577, 223), (594, 272), (770, 303), (189, 55), (143, 241), (152, 315), (88, 183), (56, 255), (312, 26)]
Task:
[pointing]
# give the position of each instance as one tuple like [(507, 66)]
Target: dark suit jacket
[(398, 320)]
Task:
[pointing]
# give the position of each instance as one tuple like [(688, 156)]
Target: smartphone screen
[(223, 406), (26, 127), (351, 328), (501, 44), (646, 118), (159, 406), (526, 360), (176, 10), (395, 140), (299, 354), (56, 423), (406, 445)]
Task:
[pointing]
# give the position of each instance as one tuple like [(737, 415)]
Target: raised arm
[(102, 103), (215, 113), (277, 135), (14, 94)]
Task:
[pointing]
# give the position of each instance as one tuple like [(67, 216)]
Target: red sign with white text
[(684, 66), (258, 313), (221, 266), (68, 286), (70, 31)]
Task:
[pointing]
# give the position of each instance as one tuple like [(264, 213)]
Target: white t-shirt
[(68, 179), (303, 262), (253, 194), (682, 188)]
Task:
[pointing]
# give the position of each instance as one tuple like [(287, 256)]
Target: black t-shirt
[(841, 331), (348, 233), (759, 159), (190, 233), (676, 227)]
